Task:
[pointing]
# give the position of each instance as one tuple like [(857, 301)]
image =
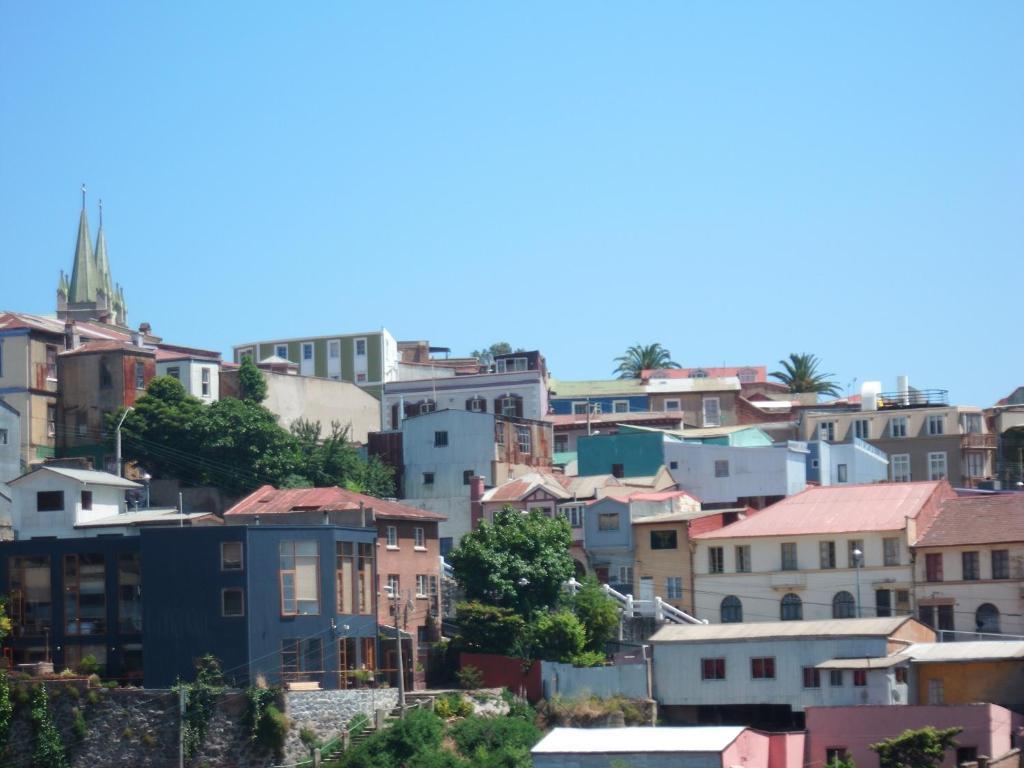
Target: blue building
[(289, 602), (603, 396)]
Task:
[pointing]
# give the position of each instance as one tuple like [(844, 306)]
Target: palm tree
[(641, 357), (800, 374)]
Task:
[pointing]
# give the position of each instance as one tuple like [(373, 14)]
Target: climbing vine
[(200, 703), (6, 710), (49, 748), (268, 725)]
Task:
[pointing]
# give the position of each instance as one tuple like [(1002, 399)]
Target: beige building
[(924, 437), (701, 402)]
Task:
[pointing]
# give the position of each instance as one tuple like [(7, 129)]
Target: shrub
[(78, 726), (598, 613), (88, 665), (6, 710), (453, 705), (489, 629), (128, 733), (148, 740), (588, 659), (273, 729), (493, 733), (470, 677), (557, 636), (49, 749), (309, 738), (92, 697)]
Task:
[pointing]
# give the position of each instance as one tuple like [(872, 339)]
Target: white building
[(970, 566), (522, 394), (810, 555), (198, 371), (788, 664), (727, 474)]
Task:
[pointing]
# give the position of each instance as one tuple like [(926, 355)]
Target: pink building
[(832, 731)]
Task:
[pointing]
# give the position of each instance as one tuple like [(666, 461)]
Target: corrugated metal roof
[(88, 476), (657, 386), (977, 520), (881, 662), (836, 509), (702, 633), (146, 517), (560, 388), (974, 650), (269, 500), (565, 421), (637, 740), (521, 487)]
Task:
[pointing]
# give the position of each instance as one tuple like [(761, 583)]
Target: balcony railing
[(979, 441), (914, 398)]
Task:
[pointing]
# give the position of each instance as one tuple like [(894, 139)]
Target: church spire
[(84, 280), (104, 282)]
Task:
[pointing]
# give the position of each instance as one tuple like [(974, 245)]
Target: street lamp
[(858, 561), (117, 442)]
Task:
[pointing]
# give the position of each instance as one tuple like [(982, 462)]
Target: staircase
[(656, 609)]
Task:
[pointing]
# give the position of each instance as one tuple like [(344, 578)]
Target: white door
[(647, 588), (307, 365)]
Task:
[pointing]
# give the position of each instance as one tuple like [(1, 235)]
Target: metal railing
[(912, 398)]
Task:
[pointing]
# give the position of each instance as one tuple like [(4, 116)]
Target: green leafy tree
[(800, 374), (251, 384), (598, 613), (497, 348), (333, 460), (162, 431), (6, 705), (843, 761), (520, 561), (923, 748), (557, 636), (641, 357), (490, 629)]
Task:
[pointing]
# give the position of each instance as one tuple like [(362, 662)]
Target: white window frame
[(674, 404), (975, 462), (561, 443), (419, 538), (241, 354), (625, 574), (307, 346), (620, 406), (933, 463), (674, 587), (422, 586), (898, 426), (936, 424), (842, 473), (205, 380), (524, 439), (356, 345), (714, 418), (281, 350), (970, 420), (392, 536), (900, 460), (862, 429), (827, 431), (579, 407), (477, 405), (334, 349)]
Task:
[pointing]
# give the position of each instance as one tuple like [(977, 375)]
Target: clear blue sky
[(734, 180)]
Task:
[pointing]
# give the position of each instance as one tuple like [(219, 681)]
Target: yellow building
[(969, 672)]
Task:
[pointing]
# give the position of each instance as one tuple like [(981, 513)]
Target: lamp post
[(393, 593), (117, 442), (858, 561)]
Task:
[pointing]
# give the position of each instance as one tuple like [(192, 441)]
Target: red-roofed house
[(197, 369), (810, 555), (970, 566), (408, 557)]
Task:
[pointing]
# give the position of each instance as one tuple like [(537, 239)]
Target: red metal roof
[(521, 487), (977, 520), (109, 346), (839, 509), (269, 500)]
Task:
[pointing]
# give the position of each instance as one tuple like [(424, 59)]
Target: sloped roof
[(87, 476), (91, 347), (656, 385), (971, 650), (585, 486), (569, 420), (879, 662), (760, 372), (519, 488), (701, 738), (268, 500), (702, 633), (977, 520), (836, 509)]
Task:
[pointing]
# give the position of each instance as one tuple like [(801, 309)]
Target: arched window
[(843, 606), (792, 608), (986, 618), (732, 610)]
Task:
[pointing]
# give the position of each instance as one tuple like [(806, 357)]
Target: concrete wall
[(567, 681), (751, 749), (24, 368), (986, 727), (762, 589), (327, 712), (752, 472), (997, 682), (315, 399), (677, 671)]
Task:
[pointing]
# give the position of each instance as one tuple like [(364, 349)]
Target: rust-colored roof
[(521, 487), (838, 509), (269, 500), (91, 347), (977, 520), (569, 420)]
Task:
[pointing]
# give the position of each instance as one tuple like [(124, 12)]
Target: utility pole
[(398, 647)]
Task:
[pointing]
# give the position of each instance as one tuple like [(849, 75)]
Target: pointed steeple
[(104, 282), (62, 284), (84, 280)]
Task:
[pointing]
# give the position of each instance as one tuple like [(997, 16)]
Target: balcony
[(914, 398), (788, 580), (978, 441)]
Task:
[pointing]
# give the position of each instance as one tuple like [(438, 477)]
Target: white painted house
[(809, 556), (198, 370), (54, 501), (728, 474)]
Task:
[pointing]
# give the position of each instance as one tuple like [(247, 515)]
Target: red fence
[(520, 676)]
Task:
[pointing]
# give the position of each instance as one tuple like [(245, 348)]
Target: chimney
[(476, 504), (145, 329), (362, 513), (71, 338), (137, 338), (327, 518)]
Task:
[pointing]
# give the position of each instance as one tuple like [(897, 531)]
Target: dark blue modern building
[(289, 602)]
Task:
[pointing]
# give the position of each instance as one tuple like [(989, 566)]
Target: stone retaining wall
[(327, 712)]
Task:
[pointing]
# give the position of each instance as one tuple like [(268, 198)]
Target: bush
[(78, 725), (470, 677), (489, 629), (88, 665), (598, 613), (589, 659), (148, 740), (453, 705), (503, 757), (6, 710), (491, 734), (440, 758), (308, 738), (557, 636), (49, 749), (273, 730)]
